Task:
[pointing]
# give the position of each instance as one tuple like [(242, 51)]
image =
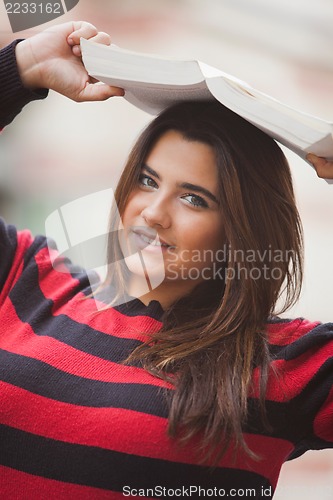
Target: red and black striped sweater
[(75, 422)]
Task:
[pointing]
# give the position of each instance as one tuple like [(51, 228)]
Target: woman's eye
[(193, 199), (196, 200), (147, 181)]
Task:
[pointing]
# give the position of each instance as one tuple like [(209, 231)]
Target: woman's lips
[(149, 241)]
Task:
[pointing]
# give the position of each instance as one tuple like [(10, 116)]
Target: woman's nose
[(157, 213)]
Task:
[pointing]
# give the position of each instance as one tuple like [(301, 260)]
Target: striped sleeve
[(13, 95), (304, 359), (14, 247), (323, 388)]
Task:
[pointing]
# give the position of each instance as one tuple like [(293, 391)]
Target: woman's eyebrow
[(185, 185)]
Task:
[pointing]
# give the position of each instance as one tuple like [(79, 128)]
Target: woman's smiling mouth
[(145, 238)]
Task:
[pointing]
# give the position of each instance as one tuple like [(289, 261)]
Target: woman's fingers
[(81, 29), (99, 92), (101, 37), (324, 168)]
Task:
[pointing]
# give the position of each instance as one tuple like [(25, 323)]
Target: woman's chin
[(150, 271)]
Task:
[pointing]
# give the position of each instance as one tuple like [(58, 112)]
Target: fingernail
[(70, 41), (77, 50)]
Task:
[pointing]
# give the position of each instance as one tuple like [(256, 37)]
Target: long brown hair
[(212, 338)]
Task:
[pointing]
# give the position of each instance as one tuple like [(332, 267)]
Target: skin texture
[(52, 59), (189, 221), (324, 168)]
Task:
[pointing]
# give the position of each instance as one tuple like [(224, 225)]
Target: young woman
[(194, 387)]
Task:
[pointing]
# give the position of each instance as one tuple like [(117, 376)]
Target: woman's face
[(172, 222)]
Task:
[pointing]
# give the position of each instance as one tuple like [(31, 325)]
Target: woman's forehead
[(174, 153)]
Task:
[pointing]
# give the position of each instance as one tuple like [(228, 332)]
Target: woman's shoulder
[(302, 380), (28, 259), (296, 336)]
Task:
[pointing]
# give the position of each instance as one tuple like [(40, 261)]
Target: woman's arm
[(13, 95), (49, 60)]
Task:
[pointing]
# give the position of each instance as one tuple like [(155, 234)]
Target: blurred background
[(57, 150)]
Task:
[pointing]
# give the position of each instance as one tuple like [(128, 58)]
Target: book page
[(153, 83), (289, 126), (114, 62), (153, 100)]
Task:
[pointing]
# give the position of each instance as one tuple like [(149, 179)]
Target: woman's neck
[(166, 293)]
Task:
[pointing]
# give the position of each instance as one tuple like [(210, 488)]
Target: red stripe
[(109, 428), (293, 375), (60, 287), (285, 333), (25, 342), (16, 485), (24, 240), (125, 431)]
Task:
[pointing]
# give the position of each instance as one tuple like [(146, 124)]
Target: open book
[(153, 83)]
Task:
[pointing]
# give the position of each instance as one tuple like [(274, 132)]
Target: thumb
[(99, 92)]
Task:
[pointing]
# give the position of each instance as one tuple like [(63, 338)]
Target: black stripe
[(36, 310), (293, 420), (314, 339), (8, 245), (276, 320), (47, 381), (101, 468), (77, 335), (39, 378), (41, 243), (307, 405), (89, 281)]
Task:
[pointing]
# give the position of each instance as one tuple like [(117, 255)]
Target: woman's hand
[(324, 168), (52, 60)]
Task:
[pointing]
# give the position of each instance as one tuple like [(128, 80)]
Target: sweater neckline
[(130, 305), (135, 306)]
